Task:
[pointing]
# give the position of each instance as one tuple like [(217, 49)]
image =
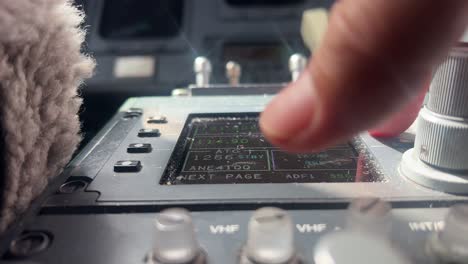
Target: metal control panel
[(144, 177), (244, 200), (130, 237), (190, 179)]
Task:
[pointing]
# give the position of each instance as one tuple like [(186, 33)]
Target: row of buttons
[(135, 165), (270, 238), (137, 112), (148, 132)]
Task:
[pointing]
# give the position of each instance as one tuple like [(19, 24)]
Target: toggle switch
[(202, 68), (233, 73), (297, 64)]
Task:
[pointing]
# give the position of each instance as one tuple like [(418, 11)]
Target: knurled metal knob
[(439, 159), (442, 137), (233, 72)]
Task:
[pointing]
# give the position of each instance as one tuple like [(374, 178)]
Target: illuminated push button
[(175, 241), (371, 215), (451, 244), (270, 238), (356, 247)]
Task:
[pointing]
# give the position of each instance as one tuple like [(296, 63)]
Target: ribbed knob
[(356, 247), (442, 141), (449, 87), (442, 137), (439, 159)]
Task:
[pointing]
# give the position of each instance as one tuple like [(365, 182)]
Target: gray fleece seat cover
[(41, 67)]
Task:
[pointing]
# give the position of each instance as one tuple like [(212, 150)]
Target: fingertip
[(290, 112)]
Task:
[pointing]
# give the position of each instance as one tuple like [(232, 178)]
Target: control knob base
[(419, 172)]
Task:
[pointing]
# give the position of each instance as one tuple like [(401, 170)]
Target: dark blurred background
[(146, 47)]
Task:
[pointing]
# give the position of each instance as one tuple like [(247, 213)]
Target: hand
[(375, 59)]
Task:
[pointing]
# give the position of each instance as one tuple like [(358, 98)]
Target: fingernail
[(290, 112)]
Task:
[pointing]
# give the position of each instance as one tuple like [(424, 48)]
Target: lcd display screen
[(230, 149)]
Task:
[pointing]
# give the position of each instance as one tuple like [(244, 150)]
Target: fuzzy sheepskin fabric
[(41, 67)]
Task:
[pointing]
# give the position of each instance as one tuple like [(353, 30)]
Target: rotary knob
[(270, 238), (369, 214), (451, 244), (175, 241), (442, 139), (356, 247), (439, 159), (367, 227)]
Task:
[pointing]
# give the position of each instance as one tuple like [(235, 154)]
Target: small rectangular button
[(139, 148), (127, 166), (149, 133), (157, 120), (133, 113)]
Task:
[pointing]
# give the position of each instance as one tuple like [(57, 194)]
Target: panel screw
[(72, 186), (29, 243)]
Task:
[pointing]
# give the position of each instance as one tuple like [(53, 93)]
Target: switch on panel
[(368, 228), (175, 241), (439, 159), (451, 244), (270, 238)]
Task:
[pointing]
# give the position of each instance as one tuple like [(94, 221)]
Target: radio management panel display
[(230, 149)]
